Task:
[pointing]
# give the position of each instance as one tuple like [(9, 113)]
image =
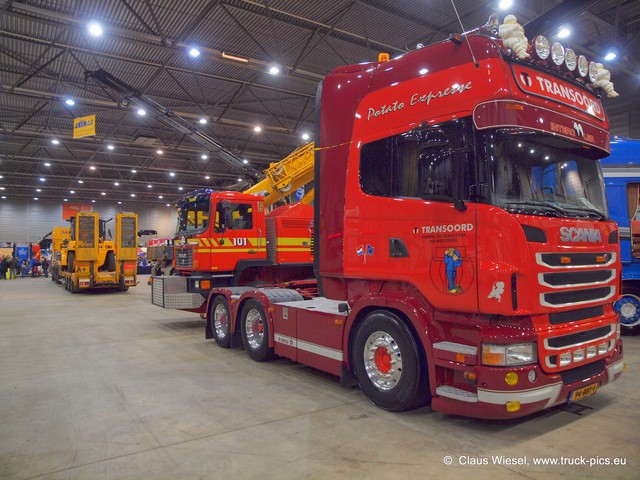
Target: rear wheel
[(255, 331), (629, 309), (71, 258), (220, 322), (388, 365)]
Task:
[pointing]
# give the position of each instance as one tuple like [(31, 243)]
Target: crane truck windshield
[(193, 216)]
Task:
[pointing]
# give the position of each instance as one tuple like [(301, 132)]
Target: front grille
[(184, 258), (576, 315), (590, 277), (578, 338), (576, 297), (582, 373)]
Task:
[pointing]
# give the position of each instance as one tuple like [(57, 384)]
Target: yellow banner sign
[(84, 126)]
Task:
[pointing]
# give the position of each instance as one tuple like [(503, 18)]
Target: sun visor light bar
[(554, 56)]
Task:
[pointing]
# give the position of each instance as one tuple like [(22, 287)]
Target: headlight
[(557, 53), (503, 355), (583, 66), (541, 47), (593, 72), (570, 60)]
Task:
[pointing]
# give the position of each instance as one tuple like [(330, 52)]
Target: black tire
[(110, 261), (220, 322), (387, 363), (629, 309), (71, 258), (255, 331)]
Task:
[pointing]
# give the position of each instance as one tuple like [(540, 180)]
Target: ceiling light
[(274, 70), (95, 29), (38, 190), (70, 102), (564, 32), (141, 112), (423, 71), (42, 179), (35, 198), (160, 197), (239, 179), (66, 199), (257, 129), (92, 167), (172, 174), (207, 177), (55, 141), (168, 204), (180, 188), (133, 170), (194, 52), (504, 4), (46, 164), (149, 186), (80, 181), (204, 156), (245, 161), (103, 193), (110, 147), (203, 121), (116, 184), (1, 188), (611, 55), (93, 201), (133, 194), (159, 152), (119, 203), (305, 136), (72, 191), (4, 196)]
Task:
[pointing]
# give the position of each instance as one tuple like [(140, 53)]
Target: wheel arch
[(404, 318)]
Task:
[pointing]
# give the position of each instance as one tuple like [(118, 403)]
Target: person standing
[(45, 267)]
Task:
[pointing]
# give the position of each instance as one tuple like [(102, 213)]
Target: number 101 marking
[(240, 242)]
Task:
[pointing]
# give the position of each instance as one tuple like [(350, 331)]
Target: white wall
[(23, 221)]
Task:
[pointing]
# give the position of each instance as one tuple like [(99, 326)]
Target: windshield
[(538, 174), (193, 216)]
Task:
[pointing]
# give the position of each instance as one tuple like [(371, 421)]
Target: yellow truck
[(85, 260)]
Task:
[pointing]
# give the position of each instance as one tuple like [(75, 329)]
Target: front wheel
[(255, 331), (219, 320), (629, 309), (387, 363)]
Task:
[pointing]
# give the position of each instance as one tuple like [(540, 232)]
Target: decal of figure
[(496, 291), (452, 261)]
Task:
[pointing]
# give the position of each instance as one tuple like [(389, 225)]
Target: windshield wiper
[(544, 205), (590, 210)]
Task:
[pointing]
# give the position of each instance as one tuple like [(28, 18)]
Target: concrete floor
[(108, 386)]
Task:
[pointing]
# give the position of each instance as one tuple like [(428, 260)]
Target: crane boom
[(173, 120), (287, 175)]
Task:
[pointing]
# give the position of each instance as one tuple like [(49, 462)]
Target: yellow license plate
[(580, 393)]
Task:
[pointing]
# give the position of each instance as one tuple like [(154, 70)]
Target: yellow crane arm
[(286, 176)]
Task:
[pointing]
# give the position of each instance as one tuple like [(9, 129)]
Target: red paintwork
[(362, 103)]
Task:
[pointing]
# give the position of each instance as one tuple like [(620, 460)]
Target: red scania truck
[(463, 253)]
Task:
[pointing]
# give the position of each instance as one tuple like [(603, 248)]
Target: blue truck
[(621, 172)]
